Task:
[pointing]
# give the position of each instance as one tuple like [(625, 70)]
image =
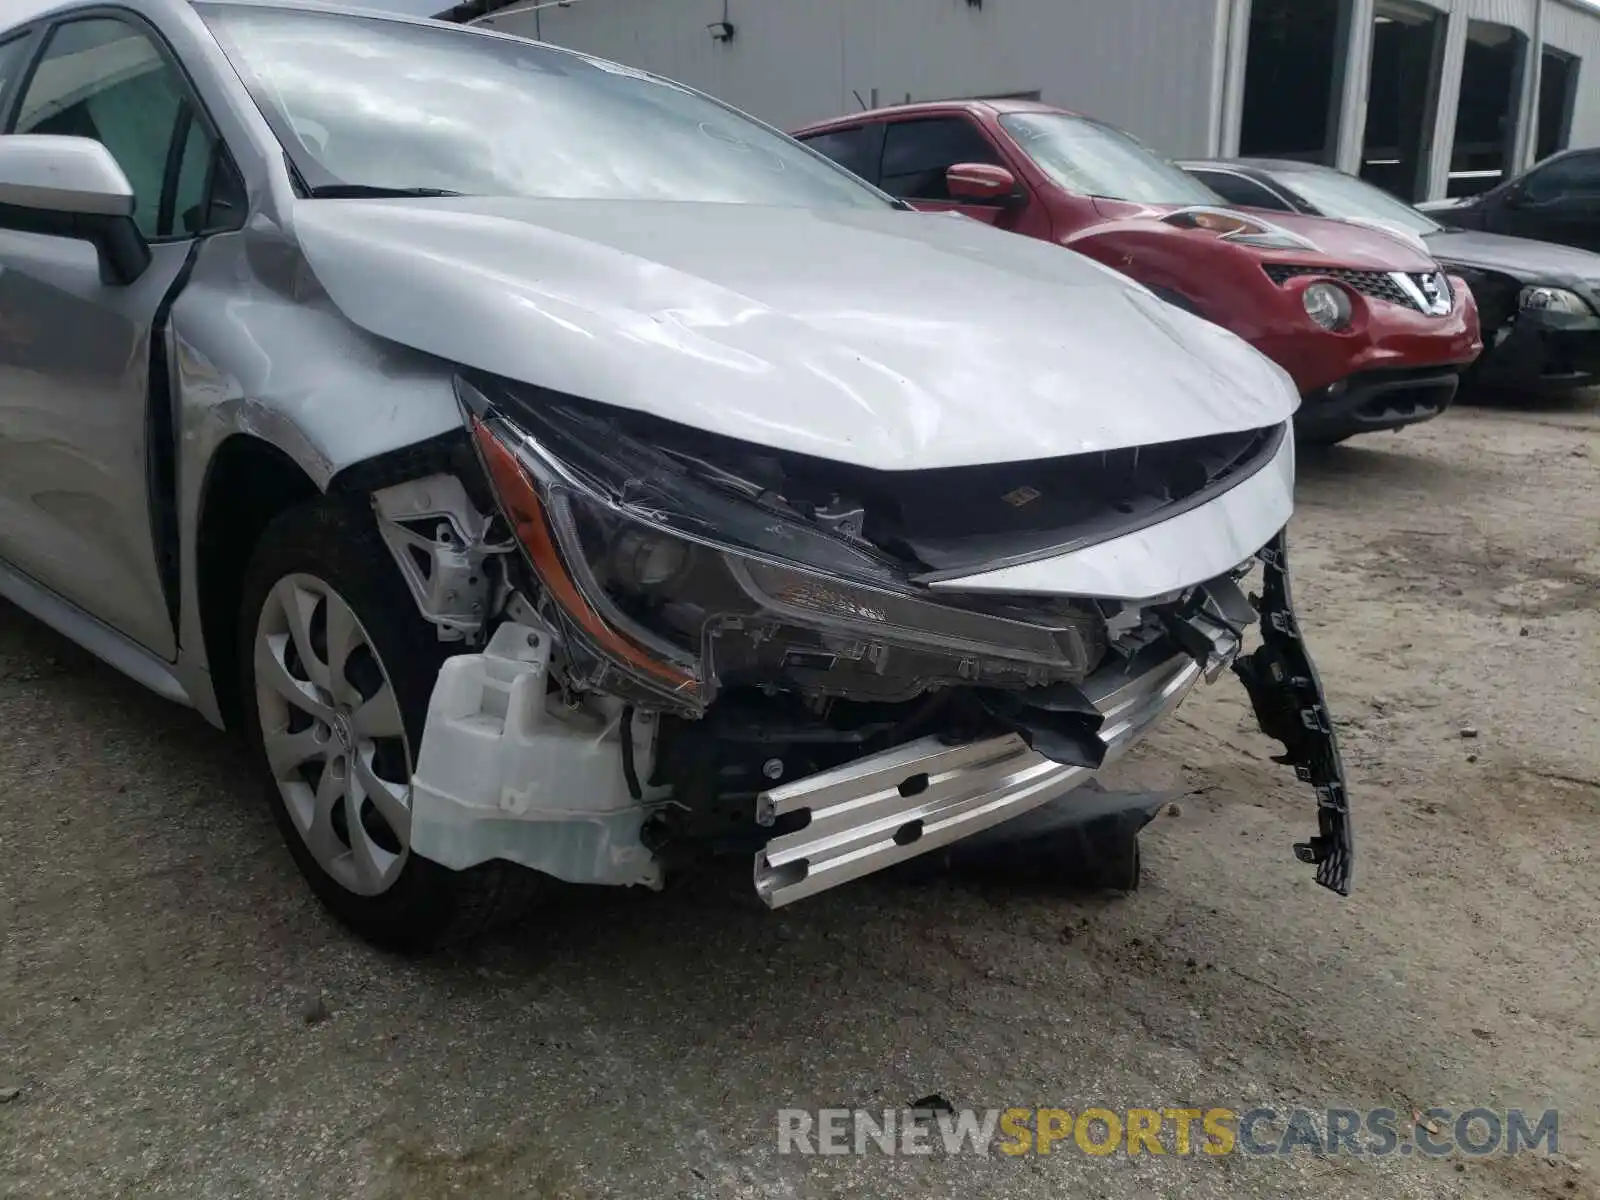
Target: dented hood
[(887, 339), (1524, 259)]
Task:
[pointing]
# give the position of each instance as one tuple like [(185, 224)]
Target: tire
[(326, 561)]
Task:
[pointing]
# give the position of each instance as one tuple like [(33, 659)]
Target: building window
[(1486, 116), (1558, 93)]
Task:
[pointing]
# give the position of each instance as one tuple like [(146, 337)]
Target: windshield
[(368, 103), (1096, 160), (1347, 198)]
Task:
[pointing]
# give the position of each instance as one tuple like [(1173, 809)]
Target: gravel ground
[(178, 1018)]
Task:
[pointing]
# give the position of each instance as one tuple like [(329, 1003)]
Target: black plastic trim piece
[(161, 446), (173, 169), (122, 252), (1264, 454), (1290, 706), (447, 453), (630, 772), (1057, 722)]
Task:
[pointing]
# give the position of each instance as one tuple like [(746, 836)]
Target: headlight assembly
[(1328, 305), (1553, 299), (1236, 227), (687, 578)]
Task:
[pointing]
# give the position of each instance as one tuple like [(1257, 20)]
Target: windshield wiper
[(362, 191)]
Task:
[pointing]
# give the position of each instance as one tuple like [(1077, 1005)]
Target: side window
[(101, 78), (194, 171), (853, 149), (207, 193), (1236, 189), (1577, 175), (12, 56), (916, 155), (1588, 182)]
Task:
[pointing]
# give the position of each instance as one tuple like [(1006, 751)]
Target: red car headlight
[(1236, 227), (1328, 305)]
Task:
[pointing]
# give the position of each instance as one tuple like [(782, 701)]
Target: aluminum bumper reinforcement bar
[(890, 807)]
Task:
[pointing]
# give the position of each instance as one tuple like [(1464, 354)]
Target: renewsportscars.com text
[(1012, 1132)]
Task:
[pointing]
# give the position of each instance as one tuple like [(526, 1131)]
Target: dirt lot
[(161, 958)]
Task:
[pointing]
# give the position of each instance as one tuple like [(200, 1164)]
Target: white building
[(1426, 97)]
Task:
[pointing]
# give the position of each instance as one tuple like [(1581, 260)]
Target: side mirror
[(71, 187), (983, 183)]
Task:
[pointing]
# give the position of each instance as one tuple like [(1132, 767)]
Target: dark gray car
[(1557, 200), (1539, 302)]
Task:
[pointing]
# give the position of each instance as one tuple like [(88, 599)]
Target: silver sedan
[(553, 472)]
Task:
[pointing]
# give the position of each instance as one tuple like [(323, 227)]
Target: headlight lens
[(1553, 299), (1236, 227), (1327, 305), (643, 559)]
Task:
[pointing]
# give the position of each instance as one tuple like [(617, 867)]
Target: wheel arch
[(249, 482)]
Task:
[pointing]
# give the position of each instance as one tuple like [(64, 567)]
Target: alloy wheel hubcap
[(334, 739)]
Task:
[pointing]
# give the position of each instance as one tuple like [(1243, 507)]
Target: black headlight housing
[(674, 576)]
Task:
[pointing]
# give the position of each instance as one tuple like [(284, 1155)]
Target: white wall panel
[(1147, 65), (1154, 67), (1444, 116), (1571, 28), (1516, 13)]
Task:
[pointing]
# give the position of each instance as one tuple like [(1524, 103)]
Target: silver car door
[(81, 472)]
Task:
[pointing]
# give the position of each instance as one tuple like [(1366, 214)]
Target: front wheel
[(337, 667)]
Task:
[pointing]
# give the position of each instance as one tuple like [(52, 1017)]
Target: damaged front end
[(710, 645)]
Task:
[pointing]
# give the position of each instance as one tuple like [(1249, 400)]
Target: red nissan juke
[(1373, 332)]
